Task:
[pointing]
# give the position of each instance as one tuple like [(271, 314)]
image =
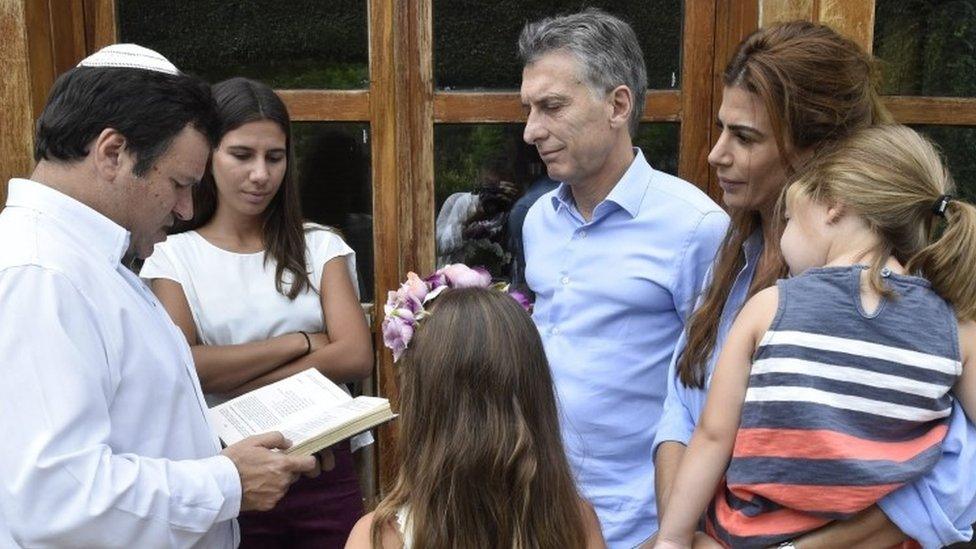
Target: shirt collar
[(108, 239), (628, 193), (753, 245)]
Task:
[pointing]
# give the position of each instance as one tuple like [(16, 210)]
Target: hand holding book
[(307, 408)]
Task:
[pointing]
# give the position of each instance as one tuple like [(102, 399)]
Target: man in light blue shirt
[(615, 256)]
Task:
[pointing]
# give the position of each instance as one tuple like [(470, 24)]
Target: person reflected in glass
[(472, 227), (791, 90), (516, 218), (260, 296)]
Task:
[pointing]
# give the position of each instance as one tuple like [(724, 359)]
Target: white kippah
[(131, 56)]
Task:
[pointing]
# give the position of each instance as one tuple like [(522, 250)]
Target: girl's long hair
[(817, 87), (893, 178), (239, 101), (482, 463)]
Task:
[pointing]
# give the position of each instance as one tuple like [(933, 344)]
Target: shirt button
[(582, 234), (554, 330), (564, 280)]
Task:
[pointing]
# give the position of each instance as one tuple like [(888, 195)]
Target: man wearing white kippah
[(105, 431)]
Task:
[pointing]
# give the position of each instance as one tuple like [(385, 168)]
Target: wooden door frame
[(855, 19), (417, 107)]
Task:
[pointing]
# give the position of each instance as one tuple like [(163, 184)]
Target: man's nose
[(183, 209), (534, 130)]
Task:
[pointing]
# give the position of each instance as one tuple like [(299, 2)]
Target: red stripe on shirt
[(782, 521), (823, 444), (818, 498)]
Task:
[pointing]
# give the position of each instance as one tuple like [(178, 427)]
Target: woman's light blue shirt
[(936, 510)]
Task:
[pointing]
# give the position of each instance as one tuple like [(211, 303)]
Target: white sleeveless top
[(233, 297), (402, 516)]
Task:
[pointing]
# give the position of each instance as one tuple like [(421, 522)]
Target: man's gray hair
[(605, 46)]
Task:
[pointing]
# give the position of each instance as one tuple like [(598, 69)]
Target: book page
[(326, 420), (295, 399)]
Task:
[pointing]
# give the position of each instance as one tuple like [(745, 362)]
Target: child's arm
[(965, 388), (708, 454)]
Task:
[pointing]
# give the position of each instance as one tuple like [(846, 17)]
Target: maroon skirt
[(316, 512)]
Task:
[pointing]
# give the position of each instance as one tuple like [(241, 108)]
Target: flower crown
[(405, 308)]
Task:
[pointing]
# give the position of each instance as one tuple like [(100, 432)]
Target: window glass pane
[(475, 41), (659, 142), (957, 144), (482, 171), (333, 171), (928, 47), (298, 44)]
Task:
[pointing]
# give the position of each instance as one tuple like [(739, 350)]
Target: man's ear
[(622, 103), (109, 152)]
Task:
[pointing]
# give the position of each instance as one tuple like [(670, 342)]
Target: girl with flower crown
[(482, 462)]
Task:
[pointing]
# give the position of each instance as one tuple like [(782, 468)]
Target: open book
[(311, 411)]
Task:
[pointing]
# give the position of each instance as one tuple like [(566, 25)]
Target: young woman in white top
[(261, 296)]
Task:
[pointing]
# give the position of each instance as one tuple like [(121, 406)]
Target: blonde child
[(833, 388), (481, 458)]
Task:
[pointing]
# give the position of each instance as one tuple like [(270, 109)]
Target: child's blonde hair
[(895, 180)]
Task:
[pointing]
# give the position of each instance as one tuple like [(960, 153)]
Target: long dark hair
[(240, 101), (482, 462), (817, 88)]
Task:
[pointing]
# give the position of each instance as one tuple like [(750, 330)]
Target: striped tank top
[(842, 407)]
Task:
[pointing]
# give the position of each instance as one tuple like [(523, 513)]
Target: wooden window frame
[(855, 18), (420, 107), (402, 107), (46, 37)]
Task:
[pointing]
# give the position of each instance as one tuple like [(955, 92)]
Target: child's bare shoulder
[(768, 298), (361, 535), (761, 308)]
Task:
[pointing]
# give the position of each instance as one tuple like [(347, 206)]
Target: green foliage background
[(475, 40), (928, 47), (291, 44)]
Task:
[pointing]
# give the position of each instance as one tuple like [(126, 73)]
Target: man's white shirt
[(106, 439)]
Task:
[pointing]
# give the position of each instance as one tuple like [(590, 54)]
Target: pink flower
[(404, 308), (460, 275), (522, 299), (436, 280), (397, 333), (415, 287)]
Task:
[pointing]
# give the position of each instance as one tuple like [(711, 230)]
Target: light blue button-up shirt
[(935, 510), (612, 297)]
